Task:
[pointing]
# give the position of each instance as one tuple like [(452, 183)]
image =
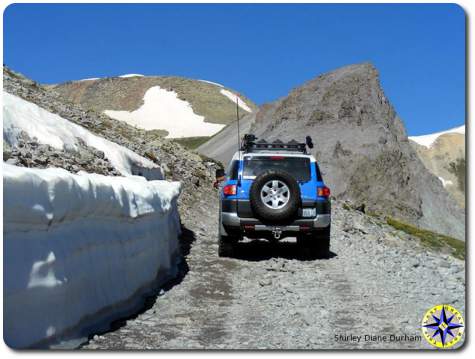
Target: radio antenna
[(238, 132)]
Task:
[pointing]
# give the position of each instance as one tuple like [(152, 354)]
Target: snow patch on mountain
[(428, 140), (163, 110), (212, 83), (90, 79), (445, 182), (132, 75), (82, 250), (51, 129), (234, 98), (123, 76)]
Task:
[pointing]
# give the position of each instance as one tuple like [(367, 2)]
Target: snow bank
[(163, 110), (79, 250), (233, 98), (20, 115), (428, 140)]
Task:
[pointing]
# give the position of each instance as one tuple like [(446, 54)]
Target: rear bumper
[(230, 219), (237, 219), (244, 210)]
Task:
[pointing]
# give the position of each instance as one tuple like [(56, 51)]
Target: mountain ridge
[(200, 99), (443, 154), (429, 139), (176, 162)]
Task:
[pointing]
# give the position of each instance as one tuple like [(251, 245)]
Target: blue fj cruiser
[(273, 191)]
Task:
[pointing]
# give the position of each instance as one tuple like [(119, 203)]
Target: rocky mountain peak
[(361, 145), (352, 96)]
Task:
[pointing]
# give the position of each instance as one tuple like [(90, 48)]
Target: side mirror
[(220, 177), (220, 174)]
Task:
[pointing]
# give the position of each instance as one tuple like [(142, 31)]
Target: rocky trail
[(370, 292), (377, 281)]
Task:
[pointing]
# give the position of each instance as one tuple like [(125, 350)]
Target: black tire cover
[(265, 213)]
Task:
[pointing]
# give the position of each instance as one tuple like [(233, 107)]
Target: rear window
[(233, 170), (319, 174), (299, 167)]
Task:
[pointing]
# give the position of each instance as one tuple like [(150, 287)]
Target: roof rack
[(250, 144)]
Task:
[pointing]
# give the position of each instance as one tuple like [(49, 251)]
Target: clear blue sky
[(262, 51)]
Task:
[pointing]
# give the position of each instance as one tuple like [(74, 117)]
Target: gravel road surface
[(370, 293)]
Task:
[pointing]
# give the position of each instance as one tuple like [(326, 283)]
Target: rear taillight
[(229, 190), (323, 191)]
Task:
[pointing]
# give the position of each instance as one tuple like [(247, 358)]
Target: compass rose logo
[(443, 326)]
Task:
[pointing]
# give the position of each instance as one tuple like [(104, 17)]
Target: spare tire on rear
[(275, 196)]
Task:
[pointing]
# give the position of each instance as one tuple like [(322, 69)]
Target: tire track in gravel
[(213, 293), (193, 313)]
